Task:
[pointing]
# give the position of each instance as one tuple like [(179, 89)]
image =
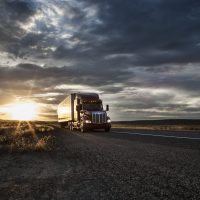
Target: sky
[(141, 56)]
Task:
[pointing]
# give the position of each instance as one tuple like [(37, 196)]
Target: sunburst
[(23, 111)]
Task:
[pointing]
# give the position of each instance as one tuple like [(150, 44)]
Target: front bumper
[(97, 126)]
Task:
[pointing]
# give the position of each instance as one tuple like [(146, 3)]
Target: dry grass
[(168, 125), (26, 136), (157, 127)]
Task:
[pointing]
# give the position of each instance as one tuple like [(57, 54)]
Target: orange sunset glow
[(23, 111)]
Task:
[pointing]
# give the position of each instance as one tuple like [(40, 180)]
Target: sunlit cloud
[(49, 94), (75, 88)]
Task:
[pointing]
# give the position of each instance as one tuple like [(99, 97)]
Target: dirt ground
[(98, 165)]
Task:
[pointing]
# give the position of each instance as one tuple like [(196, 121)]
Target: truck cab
[(87, 112)]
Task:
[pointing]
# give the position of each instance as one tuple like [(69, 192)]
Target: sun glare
[(23, 111)]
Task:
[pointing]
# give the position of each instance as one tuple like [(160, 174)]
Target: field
[(26, 136), (174, 125), (39, 160)]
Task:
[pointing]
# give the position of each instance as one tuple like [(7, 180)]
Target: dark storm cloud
[(11, 13), (19, 10), (178, 77), (157, 31), (54, 75)]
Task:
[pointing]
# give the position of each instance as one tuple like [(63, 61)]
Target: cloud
[(155, 32), (126, 50)]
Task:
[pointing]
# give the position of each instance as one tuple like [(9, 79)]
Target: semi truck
[(83, 111)]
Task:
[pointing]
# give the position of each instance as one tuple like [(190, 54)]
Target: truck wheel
[(83, 129), (71, 127), (107, 129)]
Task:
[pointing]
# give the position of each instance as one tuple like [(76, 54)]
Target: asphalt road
[(122, 164), (184, 139), (128, 164), (165, 134)]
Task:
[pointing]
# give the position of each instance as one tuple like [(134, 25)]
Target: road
[(163, 134), (122, 164)]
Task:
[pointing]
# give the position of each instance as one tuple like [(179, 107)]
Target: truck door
[(76, 113)]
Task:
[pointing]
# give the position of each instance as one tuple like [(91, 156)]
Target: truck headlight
[(88, 121), (109, 121)]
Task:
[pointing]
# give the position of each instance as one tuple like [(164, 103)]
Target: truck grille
[(98, 118)]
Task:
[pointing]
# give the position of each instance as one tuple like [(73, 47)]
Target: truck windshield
[(93, 107)]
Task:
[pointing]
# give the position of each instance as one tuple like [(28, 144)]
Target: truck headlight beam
[(88, 121)]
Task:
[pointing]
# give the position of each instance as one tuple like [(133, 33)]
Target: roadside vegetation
[(16, 136), (168, 125)]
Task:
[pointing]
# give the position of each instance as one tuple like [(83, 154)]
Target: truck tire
[(71, 127), (107, 129), (83, 129)]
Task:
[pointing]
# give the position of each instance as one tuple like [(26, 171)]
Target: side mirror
[(107, 107)]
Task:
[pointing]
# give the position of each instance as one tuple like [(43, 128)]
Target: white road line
[(164, 136)]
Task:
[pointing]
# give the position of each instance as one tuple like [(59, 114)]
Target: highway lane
[(190, 135), (183, 139)]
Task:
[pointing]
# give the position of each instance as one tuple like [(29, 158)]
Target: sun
[(23, 111)]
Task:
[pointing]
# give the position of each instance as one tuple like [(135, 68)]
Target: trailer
[(83, 111)]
